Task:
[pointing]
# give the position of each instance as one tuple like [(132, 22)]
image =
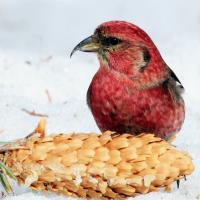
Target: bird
[(134, 90)]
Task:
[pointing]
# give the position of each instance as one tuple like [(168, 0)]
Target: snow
[(36, 38)]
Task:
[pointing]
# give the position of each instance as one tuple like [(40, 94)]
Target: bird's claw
[(178, 183)]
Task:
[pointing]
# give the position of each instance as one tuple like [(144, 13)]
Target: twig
[(33, 113), (48, 95), (65, 102), (47, 59), (28, 62)]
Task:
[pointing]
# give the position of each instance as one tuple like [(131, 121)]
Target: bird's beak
[(89, 44)]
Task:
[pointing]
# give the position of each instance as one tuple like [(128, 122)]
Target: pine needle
[(7, 170), (4, 181), (3, 143)]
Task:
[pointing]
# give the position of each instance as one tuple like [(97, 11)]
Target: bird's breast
[(116, 103)]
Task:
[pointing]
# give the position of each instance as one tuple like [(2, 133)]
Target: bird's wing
[(174, 86), (89, 96), (175, 78)]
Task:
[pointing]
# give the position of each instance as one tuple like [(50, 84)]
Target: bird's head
[(123, 47)]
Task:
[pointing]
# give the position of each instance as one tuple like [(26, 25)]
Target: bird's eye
[(110, 41)]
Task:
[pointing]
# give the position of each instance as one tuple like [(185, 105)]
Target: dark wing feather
[(174, 77), (89, 96), (174, 86)]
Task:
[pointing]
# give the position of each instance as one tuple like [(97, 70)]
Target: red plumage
[(134, 90)]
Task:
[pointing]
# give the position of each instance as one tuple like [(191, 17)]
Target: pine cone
[(107, 166)]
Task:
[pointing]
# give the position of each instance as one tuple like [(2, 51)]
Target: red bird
[(134, 90)]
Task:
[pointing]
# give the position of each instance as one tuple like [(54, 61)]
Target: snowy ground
[(35, 41)]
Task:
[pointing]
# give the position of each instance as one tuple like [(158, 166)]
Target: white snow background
[(36, 37)]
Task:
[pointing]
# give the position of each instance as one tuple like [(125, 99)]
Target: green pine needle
[(4, 180), (3, 143), (7, 170)]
